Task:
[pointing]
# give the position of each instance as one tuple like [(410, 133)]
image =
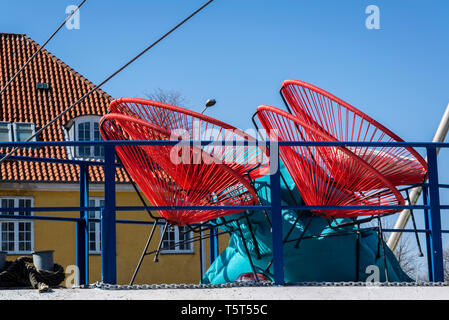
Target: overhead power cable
[(40, 49), (107, 79)]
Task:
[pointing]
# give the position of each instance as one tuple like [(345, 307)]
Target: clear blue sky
[(240, 51)]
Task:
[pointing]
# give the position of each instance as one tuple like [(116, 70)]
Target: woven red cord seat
[(168, 184), (187, 175), (189, 125), (343, 122), (311, 169)]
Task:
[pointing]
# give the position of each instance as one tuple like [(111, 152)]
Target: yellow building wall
[(131, 240)]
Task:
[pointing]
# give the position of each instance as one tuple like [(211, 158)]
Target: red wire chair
[(341, 121), (198, 180), (312, 169), (212, 175)]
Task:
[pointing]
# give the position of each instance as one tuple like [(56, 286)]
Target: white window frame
[(9, 126), (15, 128), (97, 203), (74, 133), (16, 222), (176, 250)]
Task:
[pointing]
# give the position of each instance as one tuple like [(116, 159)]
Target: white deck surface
[(246, 293)]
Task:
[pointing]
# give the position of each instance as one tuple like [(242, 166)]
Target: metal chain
[(106, 286)]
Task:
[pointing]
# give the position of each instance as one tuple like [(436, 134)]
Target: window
[(83, 129), (23, 131), (94, 227), (86, 129), (176, 240), (19, 131), (16, 236), (5, 131)]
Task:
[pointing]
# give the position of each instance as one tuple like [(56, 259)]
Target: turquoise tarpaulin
[(324, 253)]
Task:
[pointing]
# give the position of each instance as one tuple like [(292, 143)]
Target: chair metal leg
[(248, 253), (144, 253), (381, 239), (420, 253), (303, 232), (253, 237), (158, 251)]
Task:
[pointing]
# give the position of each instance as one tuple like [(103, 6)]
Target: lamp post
[(209, 103)]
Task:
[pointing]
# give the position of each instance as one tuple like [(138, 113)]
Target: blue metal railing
[(431, 202)]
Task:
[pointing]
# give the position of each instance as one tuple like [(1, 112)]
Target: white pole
[(404, 216)]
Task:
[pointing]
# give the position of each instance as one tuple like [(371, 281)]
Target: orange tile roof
[(23, 102)]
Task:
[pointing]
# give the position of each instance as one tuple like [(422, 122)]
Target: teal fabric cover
[(325, 254)]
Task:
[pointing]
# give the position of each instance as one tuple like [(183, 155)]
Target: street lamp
[(209, 103)]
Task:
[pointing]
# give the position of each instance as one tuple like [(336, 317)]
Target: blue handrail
[(432, 209)]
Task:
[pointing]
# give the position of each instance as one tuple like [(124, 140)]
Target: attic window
[(84, 128), (88, 131), (42, 86)]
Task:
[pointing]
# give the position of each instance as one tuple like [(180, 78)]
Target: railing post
[(108, 227), (276, 214), (425, 195), (434, 219), (82, 234)]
